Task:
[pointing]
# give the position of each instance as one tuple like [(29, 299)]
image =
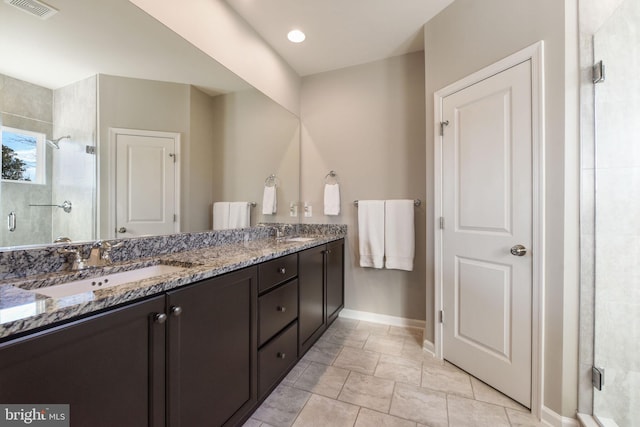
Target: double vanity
[(175, 332)]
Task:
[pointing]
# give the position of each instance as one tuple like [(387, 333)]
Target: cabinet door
[(311, 315), (109, 367), (335, 279), (212, 348)]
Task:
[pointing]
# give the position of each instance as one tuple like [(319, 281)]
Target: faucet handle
[(108, 245), (73, 251)]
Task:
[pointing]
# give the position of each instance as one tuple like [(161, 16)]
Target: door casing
[(535, 53)]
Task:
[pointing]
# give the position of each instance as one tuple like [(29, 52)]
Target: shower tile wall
[(75, 114), (26, 106), (617, 225)]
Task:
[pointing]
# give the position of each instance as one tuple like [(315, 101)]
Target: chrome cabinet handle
[(176, 310), (282, 270), (160, 318), (281, 309), (122, 230), (518, 250)]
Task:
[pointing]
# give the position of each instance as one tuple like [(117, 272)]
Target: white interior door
[(487, 211), (145, 196)]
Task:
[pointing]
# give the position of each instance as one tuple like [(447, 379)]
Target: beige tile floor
[(367, 374)]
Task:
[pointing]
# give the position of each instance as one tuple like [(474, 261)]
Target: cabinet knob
[(160, 318), (281, 309), (281, 355), (282, 270), (176, 310)]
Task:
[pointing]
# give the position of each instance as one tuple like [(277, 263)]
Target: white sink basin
[(107, 281), (300, 239)]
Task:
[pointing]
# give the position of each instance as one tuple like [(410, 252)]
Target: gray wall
[(466, 37), (254, 138), (146, 105), (367, 124)]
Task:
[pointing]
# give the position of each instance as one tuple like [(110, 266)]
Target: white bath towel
[(239, 215), (371, 233), (331, 199), (399, 234), (221, 215), (269, 200)]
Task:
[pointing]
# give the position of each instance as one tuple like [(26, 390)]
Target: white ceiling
[(110, 37), (340, 33)]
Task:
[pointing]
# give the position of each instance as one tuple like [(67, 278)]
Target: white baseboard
[(430, 347), (551, 418), (587, 420), (381, 318)]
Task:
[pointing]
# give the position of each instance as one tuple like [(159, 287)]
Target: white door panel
[(487, 207), (145, 184)]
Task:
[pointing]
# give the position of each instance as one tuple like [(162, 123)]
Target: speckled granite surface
[(202, 255)]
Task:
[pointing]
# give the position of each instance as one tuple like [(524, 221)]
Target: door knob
[(518, 250), (122, 230)]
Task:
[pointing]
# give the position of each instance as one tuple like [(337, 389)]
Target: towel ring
[(331, 176), (271, 181)]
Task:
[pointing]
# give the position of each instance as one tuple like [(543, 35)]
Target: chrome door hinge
[(598, 73), (442, 125), (441, 223), (441, 316), (597, 377), (175, 218)]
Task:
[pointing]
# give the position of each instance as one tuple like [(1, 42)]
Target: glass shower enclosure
[(617, 218)]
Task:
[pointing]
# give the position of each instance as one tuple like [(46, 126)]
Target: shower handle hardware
[(66, 206), (122, 230), (518, 250), (11, 221)]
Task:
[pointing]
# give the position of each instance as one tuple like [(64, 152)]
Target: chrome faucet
[(99, 256)]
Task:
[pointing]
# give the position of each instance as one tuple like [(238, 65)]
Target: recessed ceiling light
[(296, 36)]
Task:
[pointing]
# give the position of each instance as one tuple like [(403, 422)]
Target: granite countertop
[(23, 309)]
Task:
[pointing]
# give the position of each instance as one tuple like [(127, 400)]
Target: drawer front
[(276, 271), (276, 309), (276, 358)]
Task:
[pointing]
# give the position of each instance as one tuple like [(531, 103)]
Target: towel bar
[(271, 181), (416, 202), (331, 175)]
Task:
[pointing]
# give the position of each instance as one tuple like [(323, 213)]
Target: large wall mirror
[(114, 126)]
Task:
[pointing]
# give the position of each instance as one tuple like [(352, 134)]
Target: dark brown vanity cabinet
[(184, 358), (321, 287), (109, 367), (211, 356), (277, 325)]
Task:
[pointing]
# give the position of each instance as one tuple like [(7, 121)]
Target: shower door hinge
[(441, 223), (90, 149), (175, 218), (598, 73), (442, 125), (597, 377), (441, 316)]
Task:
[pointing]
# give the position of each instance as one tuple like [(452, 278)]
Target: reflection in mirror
[(96, 71)]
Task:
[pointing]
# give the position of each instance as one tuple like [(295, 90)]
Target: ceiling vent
[(33, 7)]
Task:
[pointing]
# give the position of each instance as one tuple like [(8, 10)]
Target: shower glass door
[(617, 230)]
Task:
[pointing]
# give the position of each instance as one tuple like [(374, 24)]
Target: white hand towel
[(371, 233), (221, 215), (239, 214), (269, 200), (399, 234), (331, 199)]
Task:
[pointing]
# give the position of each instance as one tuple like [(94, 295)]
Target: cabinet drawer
[(277, 271), (276, 309), (276, 358)]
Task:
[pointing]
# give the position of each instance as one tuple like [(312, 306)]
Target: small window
[(23, 156)]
